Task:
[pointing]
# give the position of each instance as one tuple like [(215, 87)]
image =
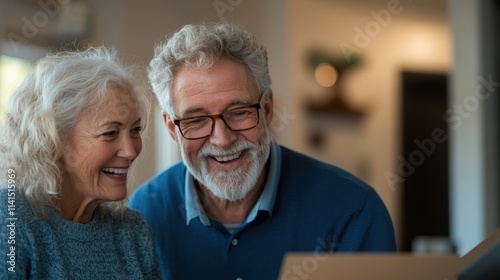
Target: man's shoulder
[(299, 167), (320, 183), (298, 158), (305, 164)]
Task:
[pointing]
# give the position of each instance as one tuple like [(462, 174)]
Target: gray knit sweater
[(108, 247)]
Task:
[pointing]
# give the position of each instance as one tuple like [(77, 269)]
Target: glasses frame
[(257, 107)]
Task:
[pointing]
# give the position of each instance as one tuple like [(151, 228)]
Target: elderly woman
[(72, 132)]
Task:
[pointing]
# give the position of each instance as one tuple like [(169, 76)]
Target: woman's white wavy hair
[(45, 108)]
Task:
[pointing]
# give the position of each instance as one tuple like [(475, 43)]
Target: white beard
[(235, 184)]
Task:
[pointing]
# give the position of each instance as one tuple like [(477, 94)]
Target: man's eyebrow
[(241, 102), (194, 110), (237, 102)]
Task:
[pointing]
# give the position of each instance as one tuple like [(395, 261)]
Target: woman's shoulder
[(130, 223), (127, 218), (133, 216)]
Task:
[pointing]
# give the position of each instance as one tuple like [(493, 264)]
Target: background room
[(401, 93)]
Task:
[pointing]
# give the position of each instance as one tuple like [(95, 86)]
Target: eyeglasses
[(238, 119)]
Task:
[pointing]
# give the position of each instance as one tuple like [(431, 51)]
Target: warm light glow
[(325, 74), (421, 45), (12, 72)]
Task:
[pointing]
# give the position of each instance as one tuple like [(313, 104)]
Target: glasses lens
[(196, 127), (242, 118)]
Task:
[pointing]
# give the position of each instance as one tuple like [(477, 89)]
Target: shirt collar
[(264, 203), (192, 201)]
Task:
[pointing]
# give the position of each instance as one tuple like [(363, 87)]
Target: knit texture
[(108, 247)]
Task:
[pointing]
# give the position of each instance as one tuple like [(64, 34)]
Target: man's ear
[(169, 123), (268, 107)]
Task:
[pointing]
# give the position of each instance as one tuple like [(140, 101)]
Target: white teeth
[(227, 158), (119, 171)]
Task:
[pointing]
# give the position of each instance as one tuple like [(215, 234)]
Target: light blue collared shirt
[(194, 208)]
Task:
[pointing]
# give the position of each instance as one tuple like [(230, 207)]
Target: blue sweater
[(108, 247), (317, 208)]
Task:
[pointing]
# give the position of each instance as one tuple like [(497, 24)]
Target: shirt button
[(235, 242)]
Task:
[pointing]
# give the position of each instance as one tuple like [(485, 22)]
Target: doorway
[(424, 157)]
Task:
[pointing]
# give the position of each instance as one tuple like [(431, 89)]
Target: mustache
[(209, 150)]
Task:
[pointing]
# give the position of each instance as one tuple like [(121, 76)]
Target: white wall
[(468, 187)]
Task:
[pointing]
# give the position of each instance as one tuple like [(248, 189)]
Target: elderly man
[(239, 201)]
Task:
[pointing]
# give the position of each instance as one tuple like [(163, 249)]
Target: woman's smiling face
[(101, 147)]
